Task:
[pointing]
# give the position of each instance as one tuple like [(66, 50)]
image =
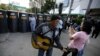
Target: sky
[(59, 1), (65, 2), (25, 3)]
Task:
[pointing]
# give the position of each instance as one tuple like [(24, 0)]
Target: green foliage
[(48, 6), (78, 20), (10, 7), (3, 6), (33, 10), (29, 10)]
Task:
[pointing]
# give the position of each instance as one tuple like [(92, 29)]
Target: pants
[(66, 25), (32, 24), (48, 52), (95, 33), (73, 50), (80, 53), (60, 31)]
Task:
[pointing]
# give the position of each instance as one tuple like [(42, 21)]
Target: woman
[(77, 40)]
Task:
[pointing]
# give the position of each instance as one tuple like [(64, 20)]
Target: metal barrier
[(12, 21), (23, 22), (3, 22)]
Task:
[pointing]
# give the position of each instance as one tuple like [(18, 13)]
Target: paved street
[(19, 44)]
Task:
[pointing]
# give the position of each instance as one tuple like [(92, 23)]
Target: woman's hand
[(40, 44), (71, 31)]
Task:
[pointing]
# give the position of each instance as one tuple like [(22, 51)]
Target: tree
[(32, 10), (48, 6), (29, 10), (12, 7), (3, 6)]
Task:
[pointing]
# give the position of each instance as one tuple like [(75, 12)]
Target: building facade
[(83, 4), (37, 3)]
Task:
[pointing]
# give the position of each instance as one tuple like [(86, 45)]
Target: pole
[(70, 9), (88, 8), (9, 5), (60, 8), (53, 7)]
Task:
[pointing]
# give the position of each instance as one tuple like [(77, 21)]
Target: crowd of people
[(79, 34)]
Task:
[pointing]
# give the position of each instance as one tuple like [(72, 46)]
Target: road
[(19, 44)]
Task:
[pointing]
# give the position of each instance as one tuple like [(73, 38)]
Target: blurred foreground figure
[(96, 30)]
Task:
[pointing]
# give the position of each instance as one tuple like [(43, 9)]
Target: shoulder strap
[(46, 32)]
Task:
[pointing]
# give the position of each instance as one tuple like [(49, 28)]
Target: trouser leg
[(41, 52), (49, 52)]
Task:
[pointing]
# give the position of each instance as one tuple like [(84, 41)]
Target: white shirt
[(60, 23), (45, 27), (32, 23), (68, 20), (31, 18)]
